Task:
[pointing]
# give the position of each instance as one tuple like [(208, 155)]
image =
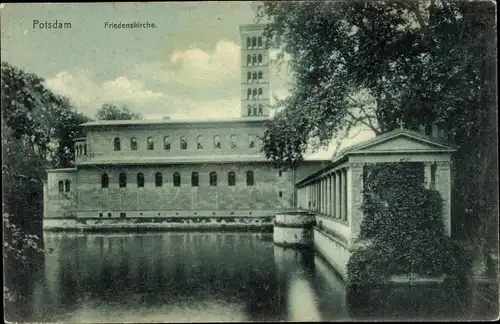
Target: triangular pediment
[(400, 140)]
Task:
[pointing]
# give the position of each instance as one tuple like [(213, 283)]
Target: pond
[(181, 277)]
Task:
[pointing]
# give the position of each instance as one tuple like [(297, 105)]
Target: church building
[(185, 168)]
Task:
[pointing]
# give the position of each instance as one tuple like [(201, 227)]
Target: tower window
[(217, 142), (166, 143), (249, 110), (123, 180), (260, 75), (213, 179), (249, 94), (259, 59), (184, 144), (231, 178), (254, 77), (254, 42), (194, 179), (233, 141), (67, 186), (249, 77), (140, 180), (260, 93), (254, 93), (250, 179), (254, 59), (61, 186), (260, 110), (199, 141), (117, 144), (158, 179), (249, 42), (255, 110), (251, 141), (133, 144), (84, 149), (259, 41), (150, 143), (177, 179), (249, 60), (281, 194), (104, 180)]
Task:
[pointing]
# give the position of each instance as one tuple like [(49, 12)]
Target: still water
[(179, 277)]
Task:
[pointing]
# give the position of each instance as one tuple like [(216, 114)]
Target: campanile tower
[(254, 71)]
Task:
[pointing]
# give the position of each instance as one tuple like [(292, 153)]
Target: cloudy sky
[(185, 68)]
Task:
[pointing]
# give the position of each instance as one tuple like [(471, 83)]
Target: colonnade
[(328, 194)]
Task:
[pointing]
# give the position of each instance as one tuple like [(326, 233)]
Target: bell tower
[(255, 89)]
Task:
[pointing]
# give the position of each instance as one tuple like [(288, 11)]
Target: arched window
[(260, 93), (249, 59), (249, 42), (254, 93), (250, 178), (254, 41), (249, 94), (67, 186), (133, 144), (61, 186), (254, 59), (231, 178), (84, 149), (104, 180), (199, 143), (184, 144), (194, 179), (249, 110), (259, 41), (151, 144), (259, 76), (255, 110), (217, 142), (166, 143), (80, 150), (251, 141), (249, 77), (233, 141), (260, 110), (123, 180), (158, 179), (259, 59), (76, 151), (140, 179), (254, 77), (213, 179), (177, 179), (117, 144)]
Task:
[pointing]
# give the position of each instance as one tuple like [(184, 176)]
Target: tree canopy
[(110, 111)]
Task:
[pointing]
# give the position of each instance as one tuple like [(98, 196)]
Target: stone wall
[(57, 203), (263, 198)]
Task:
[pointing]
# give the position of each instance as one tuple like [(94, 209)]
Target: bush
[(402, 220)]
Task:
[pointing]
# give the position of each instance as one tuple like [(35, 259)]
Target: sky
[(185, 68)]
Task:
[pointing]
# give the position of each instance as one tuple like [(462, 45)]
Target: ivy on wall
[(403, 222)]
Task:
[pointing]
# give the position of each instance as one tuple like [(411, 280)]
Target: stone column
[(443, 185), (355, 198), (341, 195), (427, 174), (347, 191), (337, 194), (330, 181)]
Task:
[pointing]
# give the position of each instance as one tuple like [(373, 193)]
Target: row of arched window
[(183, 142), (254, 77), (254, 93), (254, 59), (81, 149), (254, 110), (122, 179), (64, 186), (254, 42)]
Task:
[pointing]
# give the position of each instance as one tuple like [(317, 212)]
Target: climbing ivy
[(403, 223)]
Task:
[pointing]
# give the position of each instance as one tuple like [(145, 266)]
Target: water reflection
[(178, 277)]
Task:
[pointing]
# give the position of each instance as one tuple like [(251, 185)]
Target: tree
[(111, 112), (381, 63)]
